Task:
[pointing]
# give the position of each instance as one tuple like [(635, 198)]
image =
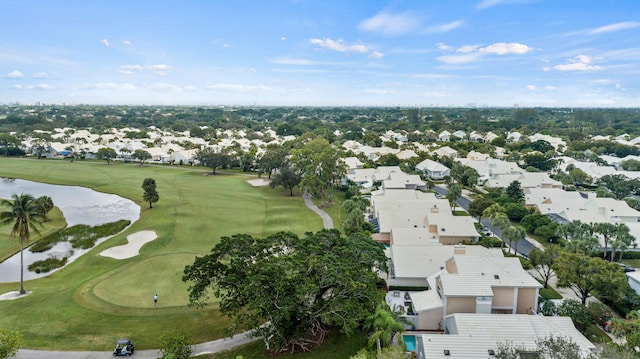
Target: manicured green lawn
[(635, 263), (96, 300)]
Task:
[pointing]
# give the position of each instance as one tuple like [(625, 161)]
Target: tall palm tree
[(25, 213), (514, 234), (607, 230)]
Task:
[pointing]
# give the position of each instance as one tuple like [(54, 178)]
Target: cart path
[(326, 219), (198, 349)]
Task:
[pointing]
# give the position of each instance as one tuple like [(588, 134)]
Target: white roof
[(472, 335), (425, 300), (526, 179), (431, 165), (477, 276), (422, 261), (491, 166)]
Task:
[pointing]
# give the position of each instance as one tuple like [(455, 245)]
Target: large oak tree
[(291, 289)]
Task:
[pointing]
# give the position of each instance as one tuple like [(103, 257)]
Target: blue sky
[(556, 53)]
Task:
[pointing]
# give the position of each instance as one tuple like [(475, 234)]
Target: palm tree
[(25, 212), (621, 240), (453, 193), (514, 234), (384, 325), (492, 211), (607, 230)]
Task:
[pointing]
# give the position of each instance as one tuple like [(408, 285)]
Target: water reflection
[(79, 205)]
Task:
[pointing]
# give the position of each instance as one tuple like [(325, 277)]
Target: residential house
[(414, 255), (556, 142), (459, 135), (476, 137), (478, 336), (634, 280), (513, 137), (565, 207), (473, 284), (446, 151), (526, 179), (397, 208), (432, 169), (490, 136), (444, 136), (352, 162)]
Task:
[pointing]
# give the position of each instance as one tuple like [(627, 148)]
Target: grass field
[(96, 300), (10, 246)]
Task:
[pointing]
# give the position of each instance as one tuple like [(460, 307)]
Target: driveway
[(524, 246)]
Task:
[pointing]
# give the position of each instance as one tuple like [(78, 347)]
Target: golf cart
[(124, 347)]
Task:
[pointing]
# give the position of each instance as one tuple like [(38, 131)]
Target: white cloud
[(34, 87), (550, 88), (625, 25), (105, 42), (40, 87), (472, 53), (376, 55), (283, 38), (159, 69), (15, 74), (107, 86), (339, 45), (444, 47), (389, 24), (191, 88), (445, 27), (459, 59), (126, 42), (378, 92), (531, 87), (238, 88), (40, 75), (467, 48), (578, 63), (503, 48), (490, 3), (290, 61), (163, 86)]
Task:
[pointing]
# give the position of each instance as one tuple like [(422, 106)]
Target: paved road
[(524, 246), (326, 219), (198, 349)]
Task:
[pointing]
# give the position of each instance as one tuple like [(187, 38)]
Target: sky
[(424, 53)]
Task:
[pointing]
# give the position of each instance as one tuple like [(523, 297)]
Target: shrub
[(176, 346)]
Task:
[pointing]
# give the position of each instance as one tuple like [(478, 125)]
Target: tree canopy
[(106, 153), (291, 289), (150, 194), (586, 276)]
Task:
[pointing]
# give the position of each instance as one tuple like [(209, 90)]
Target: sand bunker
[(14, 295), (131, 249), (259, 182)]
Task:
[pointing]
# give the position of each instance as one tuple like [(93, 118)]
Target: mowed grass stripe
[(73, 308)]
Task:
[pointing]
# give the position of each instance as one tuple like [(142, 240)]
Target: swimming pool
[(410, 342)]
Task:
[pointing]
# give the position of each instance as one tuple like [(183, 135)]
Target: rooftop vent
[(491, 352), (495, 276), (447, 352)]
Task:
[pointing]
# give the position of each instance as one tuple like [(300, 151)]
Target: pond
[(79, 205)]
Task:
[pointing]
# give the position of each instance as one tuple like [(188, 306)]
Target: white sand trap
[(259, 182), (131, 249), (13, 295)]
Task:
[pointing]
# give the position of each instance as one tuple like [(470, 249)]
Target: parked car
[(627, 268), (124, 347)]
